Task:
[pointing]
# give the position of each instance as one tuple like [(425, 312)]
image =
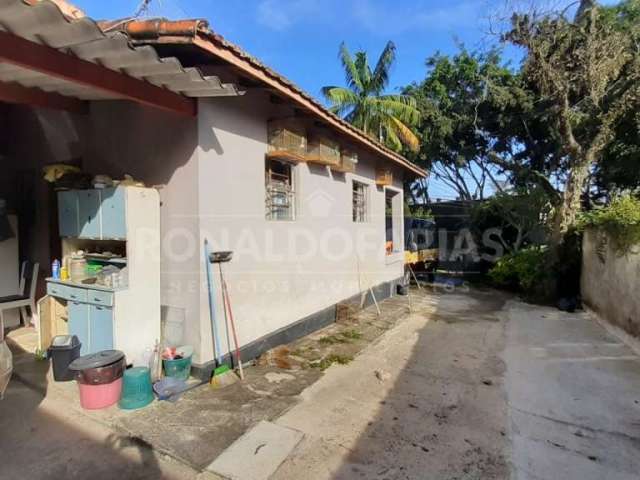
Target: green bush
[(621, 220), (523, 270)]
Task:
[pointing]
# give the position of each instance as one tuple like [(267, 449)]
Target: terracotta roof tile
[(156, 29)]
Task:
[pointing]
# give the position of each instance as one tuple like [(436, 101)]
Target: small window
[(359, 202), (280, 193), (393, 226)]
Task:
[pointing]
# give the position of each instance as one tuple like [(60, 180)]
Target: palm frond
[(364, 71), (380, 77), (392, 140), (399, 106), (341, 99), (350, 70), (404, 133)]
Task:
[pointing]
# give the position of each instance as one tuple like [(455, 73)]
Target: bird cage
[(287, 140), (348, 160), (323, 150), (384, 177)]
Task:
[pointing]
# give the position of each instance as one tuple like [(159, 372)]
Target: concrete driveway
[(574, 397), (470, 384), (479, 388)]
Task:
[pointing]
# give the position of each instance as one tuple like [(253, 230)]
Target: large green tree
[(619, 168), (587, 71), (364, 103), (481, 124)]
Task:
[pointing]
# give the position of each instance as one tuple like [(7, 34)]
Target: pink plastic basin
[(95, 397)]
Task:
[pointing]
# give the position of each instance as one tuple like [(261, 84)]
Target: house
[(241, 157)]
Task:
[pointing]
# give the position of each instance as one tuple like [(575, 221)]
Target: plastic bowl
[(168, 387)]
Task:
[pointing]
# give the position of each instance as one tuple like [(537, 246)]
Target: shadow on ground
[(425, 402), (43, 439)]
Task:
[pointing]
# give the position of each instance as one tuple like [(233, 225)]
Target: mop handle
[(233, 327)]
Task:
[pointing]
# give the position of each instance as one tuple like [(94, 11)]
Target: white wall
[(212, 174), (272, 285), (157, 148), (611, 282)]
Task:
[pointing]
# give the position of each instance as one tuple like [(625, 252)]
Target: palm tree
[(364, 104)]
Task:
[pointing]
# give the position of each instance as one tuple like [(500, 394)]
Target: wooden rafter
[(14, 93), (24, 53)]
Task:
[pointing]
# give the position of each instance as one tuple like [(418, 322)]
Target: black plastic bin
[(64, 349), (99, 368)]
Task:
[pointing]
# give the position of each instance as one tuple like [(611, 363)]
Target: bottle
[(55, 269)]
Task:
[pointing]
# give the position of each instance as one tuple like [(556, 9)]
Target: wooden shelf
[(348, 161), (384, 177), (324, 151), (286, 156)]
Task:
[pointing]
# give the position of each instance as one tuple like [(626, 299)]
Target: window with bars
[(359, 202), (280, 193)]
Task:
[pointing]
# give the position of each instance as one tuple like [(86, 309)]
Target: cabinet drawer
[(75, 294), (56, 290), (99, 297)]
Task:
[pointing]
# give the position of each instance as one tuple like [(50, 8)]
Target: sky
[(300, 38)]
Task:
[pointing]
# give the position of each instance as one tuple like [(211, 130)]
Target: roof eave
[(198, 33), (223, 50)]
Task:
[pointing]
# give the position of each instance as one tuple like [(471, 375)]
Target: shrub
[(621, 220), (523, 270)]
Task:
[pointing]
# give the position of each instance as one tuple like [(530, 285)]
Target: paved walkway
[(574, 397), (468, 385), (425, 402)]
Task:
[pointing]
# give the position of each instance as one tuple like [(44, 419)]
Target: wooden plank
[(15, 93), (24, 53)]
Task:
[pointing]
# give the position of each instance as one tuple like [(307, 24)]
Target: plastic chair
[(22, 299)]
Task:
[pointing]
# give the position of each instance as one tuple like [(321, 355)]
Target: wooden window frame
[(360, 213), (281, 188)]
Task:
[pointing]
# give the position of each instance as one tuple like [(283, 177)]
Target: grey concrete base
[(258, 453), (299, 329), (573, 397)]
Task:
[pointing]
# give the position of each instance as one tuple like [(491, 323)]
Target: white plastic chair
[(22, 299)]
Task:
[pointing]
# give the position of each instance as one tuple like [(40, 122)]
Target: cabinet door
[(79, 324), (114, 224), (89, 213), (100, 328), (68, 213)]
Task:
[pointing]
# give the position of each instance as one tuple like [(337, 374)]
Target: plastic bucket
[(137, 391), (95, 397), (177, 368)]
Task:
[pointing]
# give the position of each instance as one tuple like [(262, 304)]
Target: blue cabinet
[(89, 213), (100, 328), (114, 225), (79, 324), (93, 214), (68, 213), (92, 324)]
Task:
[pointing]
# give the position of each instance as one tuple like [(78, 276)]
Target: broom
[(222, 374), (227, 303)]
